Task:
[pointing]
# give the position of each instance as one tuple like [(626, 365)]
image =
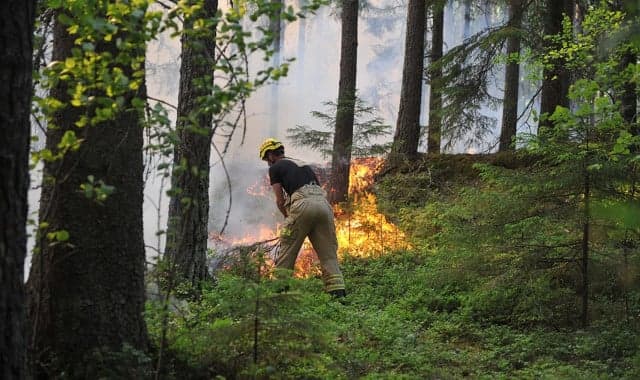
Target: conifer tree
[(512, 78), (555, 78), (343, 137), (434, 138), (86, 285), (187, 231), (407, 132)]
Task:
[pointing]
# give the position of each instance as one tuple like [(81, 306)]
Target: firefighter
[(307, 214)]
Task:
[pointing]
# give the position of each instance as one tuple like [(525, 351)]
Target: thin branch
[(163, 102), (226, 172), (165, 6)]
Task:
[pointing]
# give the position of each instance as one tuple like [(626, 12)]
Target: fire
[(360, 228)]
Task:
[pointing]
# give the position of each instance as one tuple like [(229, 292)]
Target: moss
[(413, 184)]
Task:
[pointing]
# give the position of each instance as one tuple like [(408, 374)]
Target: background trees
[(16, 36)]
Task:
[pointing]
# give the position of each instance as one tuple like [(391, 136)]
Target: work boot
[(340, 293)]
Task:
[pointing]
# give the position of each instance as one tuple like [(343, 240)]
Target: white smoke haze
[(312, 79), (314, 43)]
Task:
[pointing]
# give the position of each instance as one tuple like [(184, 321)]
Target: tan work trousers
[(310, 215)]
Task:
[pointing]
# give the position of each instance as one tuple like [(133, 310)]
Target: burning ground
[(362, 231)]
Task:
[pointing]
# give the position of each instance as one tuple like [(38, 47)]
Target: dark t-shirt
[(291, 176)]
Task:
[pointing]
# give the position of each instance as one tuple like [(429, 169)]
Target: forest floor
[(435, 310)]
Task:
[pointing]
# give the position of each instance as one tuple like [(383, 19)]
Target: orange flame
[(360, 228)]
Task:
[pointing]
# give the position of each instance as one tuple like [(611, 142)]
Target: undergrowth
[(482, 294)]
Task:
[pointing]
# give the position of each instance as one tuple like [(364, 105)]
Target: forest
[(481, 160)]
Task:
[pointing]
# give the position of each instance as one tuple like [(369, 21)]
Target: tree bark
[(555, 79), (343, 136), (466, 31), (16, 47), (407, 134), (88, 293), (584, 315), (511, 80), (434, 139), (275, 25), (187, 231), (629, 98)]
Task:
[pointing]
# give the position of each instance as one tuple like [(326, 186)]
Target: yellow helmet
[(269, 144)]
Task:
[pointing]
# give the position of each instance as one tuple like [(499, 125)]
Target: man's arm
[(277, 189)]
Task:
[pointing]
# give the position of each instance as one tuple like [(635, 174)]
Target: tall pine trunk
[(407, 134), (16, 49), (88, 293), (511, 79), (434, 139), (466, 31), (629, 98), (343, 137), (275, 24), (275, 27), (555, 79), (187, 230)]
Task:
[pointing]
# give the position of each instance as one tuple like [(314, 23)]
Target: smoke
[(244, 205), (313, 76)]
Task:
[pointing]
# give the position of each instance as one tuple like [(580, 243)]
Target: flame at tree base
[(361, 230)]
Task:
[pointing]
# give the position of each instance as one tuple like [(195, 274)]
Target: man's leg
[(292, 235), (324, 241)]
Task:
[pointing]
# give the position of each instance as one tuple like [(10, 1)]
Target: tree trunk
[(435, 97), (555, 79), (88, 293), (466, 32), (343, 137), (16, 47), (187, 231), (511, 79), (584, 315), (301, 42), (407, 134), (629, 98), (275, 24)]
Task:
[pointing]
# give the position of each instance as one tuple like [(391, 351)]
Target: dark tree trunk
[(435, 97), (88, 293), (511, 80), (16, 48), (343, 137), (629, 95), (301, 42), (584, 315), (407, 134), (187, 231), (466, 32), (555, 79), (275, 25), (629, 98)]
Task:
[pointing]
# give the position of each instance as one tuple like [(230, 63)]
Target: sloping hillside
[(487, 287)]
